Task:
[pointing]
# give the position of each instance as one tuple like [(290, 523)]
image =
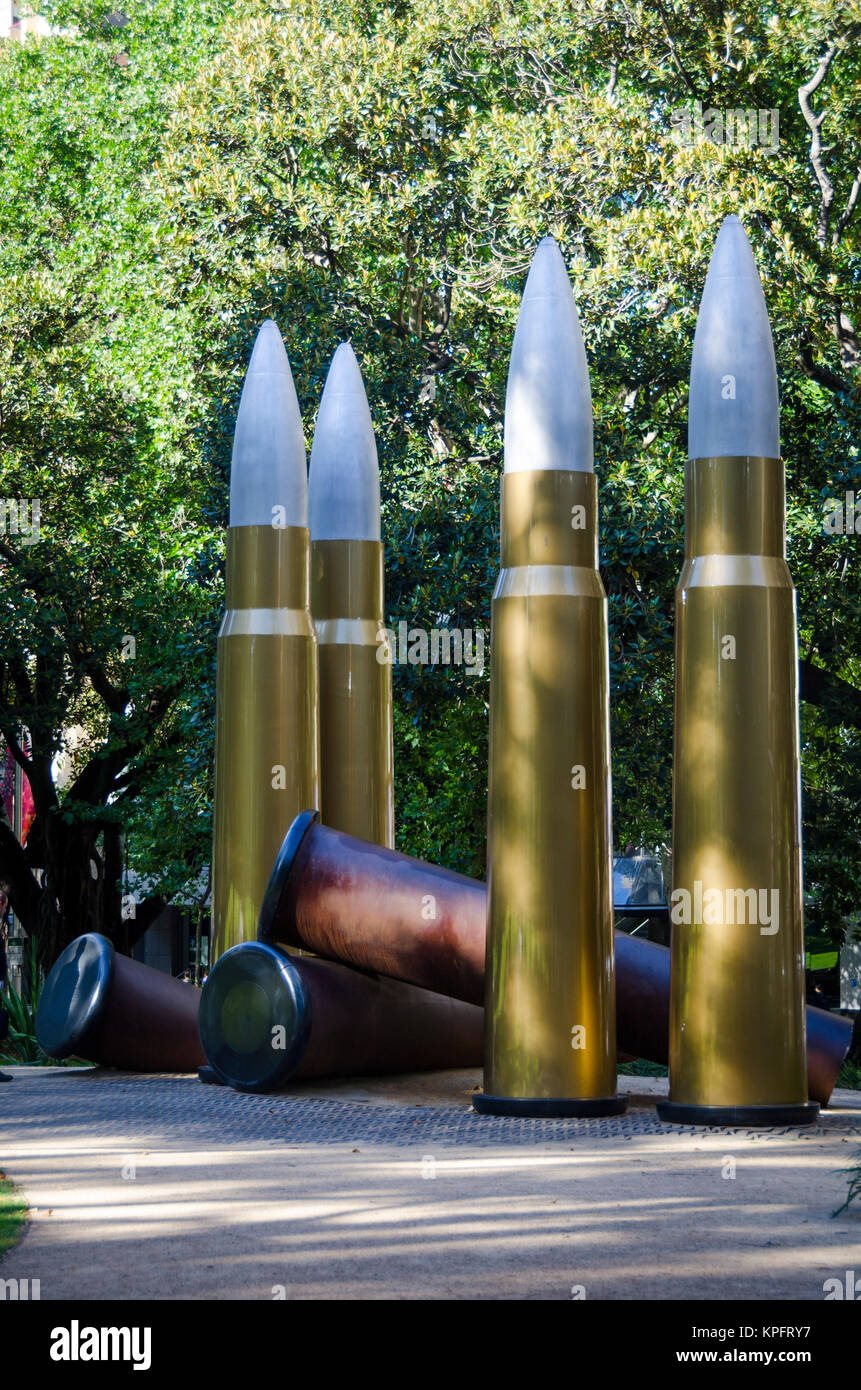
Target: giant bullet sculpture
[(382, 911), (267, 740), (267, 1018), (99, 1005), (549, 1017), (356, 768), (737, 1021)]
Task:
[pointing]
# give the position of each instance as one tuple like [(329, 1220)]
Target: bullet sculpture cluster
[(337, 955)]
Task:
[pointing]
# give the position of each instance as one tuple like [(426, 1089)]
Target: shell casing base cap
[(74, 994), (255, 1018)]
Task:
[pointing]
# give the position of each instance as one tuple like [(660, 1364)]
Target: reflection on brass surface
[(737, 998), (357, 776), (550, 984), (267, 742)]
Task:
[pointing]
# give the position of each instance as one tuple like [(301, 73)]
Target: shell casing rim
[(267, 622), (348, 632)]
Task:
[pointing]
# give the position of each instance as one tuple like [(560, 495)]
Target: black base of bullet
[(208, 1076), (548, 1108), (727, 1115)]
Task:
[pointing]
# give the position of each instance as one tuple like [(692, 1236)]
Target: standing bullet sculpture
[(737, 1017), (267, 740), (356, 771), (550, 990)]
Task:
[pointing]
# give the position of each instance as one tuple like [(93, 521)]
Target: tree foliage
[(98, 427)]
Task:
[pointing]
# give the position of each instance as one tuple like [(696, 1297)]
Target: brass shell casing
[(266, 720), (357, 761), (550, 968), (737, 1012)]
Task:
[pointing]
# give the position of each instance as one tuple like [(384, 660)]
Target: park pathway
[(160, 1187)]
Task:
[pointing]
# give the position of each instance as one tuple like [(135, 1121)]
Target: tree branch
[(814, 125), (824, 375)]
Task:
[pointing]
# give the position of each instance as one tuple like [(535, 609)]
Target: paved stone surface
[(160, 1187)]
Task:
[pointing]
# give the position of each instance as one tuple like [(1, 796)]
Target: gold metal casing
[(357, 766), (550, 1001), (267, 739), (737, 1017)]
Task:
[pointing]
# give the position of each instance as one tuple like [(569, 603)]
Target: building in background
[(18, 805)]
